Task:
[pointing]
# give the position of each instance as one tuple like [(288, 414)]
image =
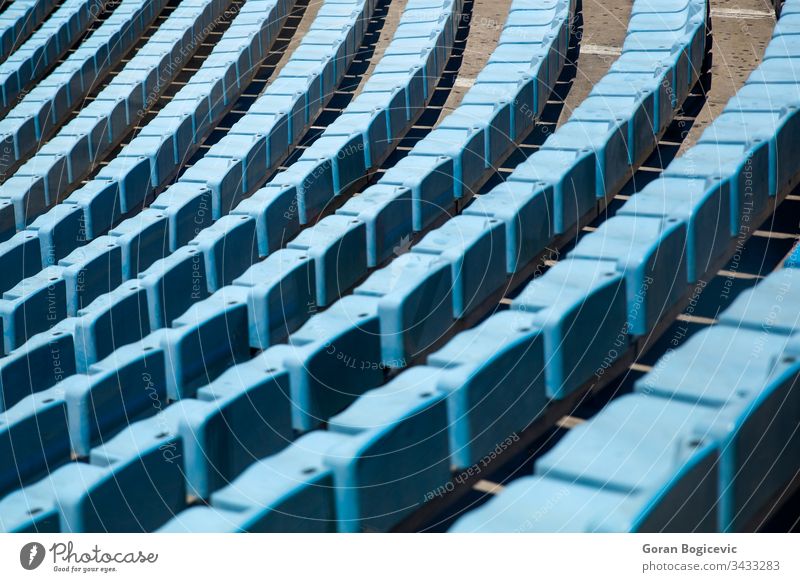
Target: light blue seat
[(396, 453), (210, 336), (413, 298), (129, 384), (580, 305), (291, 491), (650, 254), (281, 293), (34, 439), (337, 244), (332, 359), (240, 417), (493, 378)]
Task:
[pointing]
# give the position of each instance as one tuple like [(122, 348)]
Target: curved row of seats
[(227, 402), (707, 440), (402, 309), (44, 109), (226, 317), (61, 163), (271, 129), (83, 423), (342, 41), (409, 432), (710, 435), (88, 271), (19, 21), (187, 208), (40, 53)]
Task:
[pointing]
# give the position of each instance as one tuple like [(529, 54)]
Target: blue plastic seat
[(91, 271), (32, 306), (109, 322), (229, 247), (211, 335), (396, 453), (242, 416), (34, 439), (332, 359), (291, 491), (475, 247), (281, 296), (580, 305), (413, 298), (141, 485), (129, 384), (386, 211), (649, 252), (173, 284), (493, 378), (702, 204), (337, 244), (41, 362)]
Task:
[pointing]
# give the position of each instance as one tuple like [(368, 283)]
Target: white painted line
[(464, 82), (740, 13), (601, 50)]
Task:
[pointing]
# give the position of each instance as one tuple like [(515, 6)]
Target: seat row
[(184, 210), (19, 21), (30, 123), (100, 262), (39, 54), (343, 350), (228, 310), (705, 443), (709, 410), (59, 166), (151, 159), (181, 347)]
